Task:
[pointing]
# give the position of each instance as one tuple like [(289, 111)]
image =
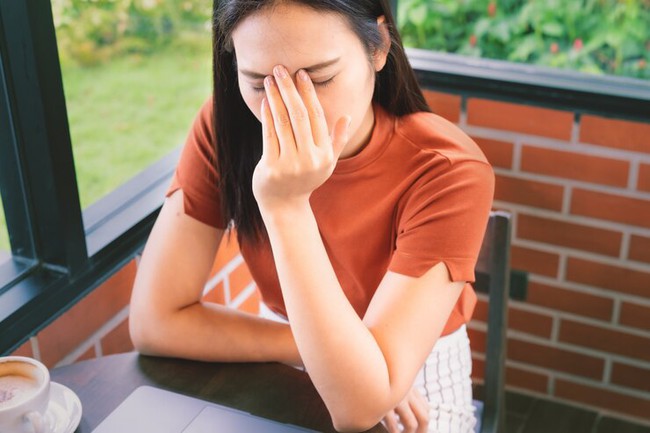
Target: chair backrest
[(493, 277)]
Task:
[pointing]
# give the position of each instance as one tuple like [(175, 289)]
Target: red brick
[(478, 369), (88, 354), (578, 166), (603, 398), (619, 134), (228, 250), (569, 235), (611, 207), (118, 340), (556, 298), (605, 339), (639, 249), (477, 339), (499, 153), (521, 320), (631, 376), (86, 317), (529, 192), (216, 295), (527, 380), (444, 104), (24, 350), (534, 261), (556, 359), (644, 178), (536, 324), (252, 303), (239, 278), (634, 315), (520, 118), (610, 277)]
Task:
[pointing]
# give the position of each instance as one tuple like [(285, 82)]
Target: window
[(4, 236), (134, 74), (592, 36)]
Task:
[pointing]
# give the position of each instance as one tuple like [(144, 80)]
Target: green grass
[(128, 113)]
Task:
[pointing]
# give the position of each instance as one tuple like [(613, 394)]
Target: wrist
[(286, 210)]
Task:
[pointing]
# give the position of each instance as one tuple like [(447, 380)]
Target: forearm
[(340, 353), (212, 332)]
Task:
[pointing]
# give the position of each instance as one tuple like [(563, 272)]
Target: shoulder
[(430, 133)]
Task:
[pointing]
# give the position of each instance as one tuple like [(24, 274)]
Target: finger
[(406, 416), (314, 109), (295, 107), (390, 420), (270, 145), (340, 135), (420, 408), (281, 120)]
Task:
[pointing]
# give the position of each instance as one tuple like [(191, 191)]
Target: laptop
[(150, 409)]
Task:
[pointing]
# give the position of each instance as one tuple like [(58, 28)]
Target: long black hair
[(238, 133)]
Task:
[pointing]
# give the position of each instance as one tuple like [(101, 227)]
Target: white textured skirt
[(444, 380)]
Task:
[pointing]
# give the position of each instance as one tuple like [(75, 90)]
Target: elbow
[(354, 422), (142, 333)]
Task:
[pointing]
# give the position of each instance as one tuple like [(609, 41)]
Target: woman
[(359, 213)]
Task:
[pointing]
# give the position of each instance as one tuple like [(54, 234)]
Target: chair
[(493, 278)]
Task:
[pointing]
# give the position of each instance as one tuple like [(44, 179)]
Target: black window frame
[(61, 253)]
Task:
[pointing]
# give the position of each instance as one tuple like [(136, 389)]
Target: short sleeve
[(444, 220), (196, 172)]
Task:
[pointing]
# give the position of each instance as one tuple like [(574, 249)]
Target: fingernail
[(302, 74), (280, 71), (269, 81)]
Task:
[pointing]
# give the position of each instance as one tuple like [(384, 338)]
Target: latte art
[(14, 389)]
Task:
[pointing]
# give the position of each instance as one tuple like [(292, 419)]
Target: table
[(270, 390)]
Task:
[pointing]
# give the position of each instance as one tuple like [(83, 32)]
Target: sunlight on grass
[(128, 113), (132, 111)]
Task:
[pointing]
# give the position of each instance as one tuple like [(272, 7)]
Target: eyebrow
[(313, 68)]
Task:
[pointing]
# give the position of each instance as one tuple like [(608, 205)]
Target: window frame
[(61, 253)]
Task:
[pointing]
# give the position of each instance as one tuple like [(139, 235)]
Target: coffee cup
[(24, 395)]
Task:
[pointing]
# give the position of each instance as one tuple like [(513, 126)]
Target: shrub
[(594, 36), (90, 32)]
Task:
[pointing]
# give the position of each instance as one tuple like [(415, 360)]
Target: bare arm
[(361, 368), (167, 315)]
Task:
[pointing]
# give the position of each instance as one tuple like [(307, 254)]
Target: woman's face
[(323, 44)]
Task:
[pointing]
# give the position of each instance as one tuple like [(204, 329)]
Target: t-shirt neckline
[(381, 135)]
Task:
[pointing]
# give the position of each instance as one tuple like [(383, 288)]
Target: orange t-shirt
[(418, 193)]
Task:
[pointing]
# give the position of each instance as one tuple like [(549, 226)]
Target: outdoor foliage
[(594, 36), (90, 32)]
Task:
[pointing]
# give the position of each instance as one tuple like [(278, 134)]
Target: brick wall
[(98, 324), (579, 189)]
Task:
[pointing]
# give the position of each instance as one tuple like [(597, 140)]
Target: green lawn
[(128, 113)]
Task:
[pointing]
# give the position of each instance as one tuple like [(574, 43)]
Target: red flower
[(578, 44), (642, 64), (472, 40), (492, 9), (555, 48)]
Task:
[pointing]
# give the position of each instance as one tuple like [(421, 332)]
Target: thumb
[(341, 135)]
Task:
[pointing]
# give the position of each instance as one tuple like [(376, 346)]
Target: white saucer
[(64, 410)]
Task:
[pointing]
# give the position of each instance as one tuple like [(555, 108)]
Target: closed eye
[(317, 84)]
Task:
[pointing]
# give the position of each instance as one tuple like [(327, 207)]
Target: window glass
[(592, 36), (135, 73)]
